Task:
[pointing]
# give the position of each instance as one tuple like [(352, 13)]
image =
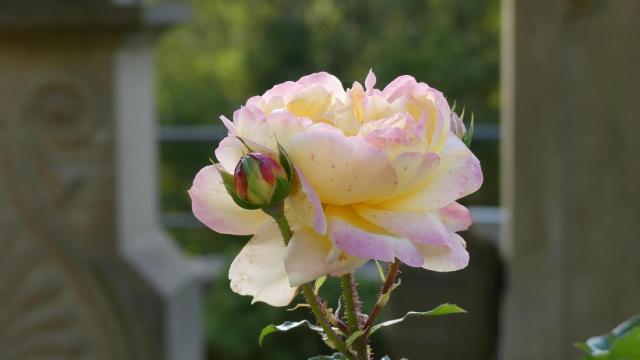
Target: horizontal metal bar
[(213, 133)]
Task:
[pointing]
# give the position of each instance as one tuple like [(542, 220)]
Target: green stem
[(276, 211), (351, 300), (312, 300), (349, 304), (391, 279)]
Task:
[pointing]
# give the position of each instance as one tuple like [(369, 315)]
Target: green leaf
[(623, 343), (286, 326), (443, 309), (336, 356), (319, 282), (469, 135), (627, 346)]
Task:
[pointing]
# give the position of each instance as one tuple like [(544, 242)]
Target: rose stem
[(350, 294), (390, 280), (312, 300), (349, 303), (276, 211)]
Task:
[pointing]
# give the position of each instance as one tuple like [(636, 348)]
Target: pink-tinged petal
[(419, 227), (286, 91), (309, 257), (370, 81), (349, 232), (342, 170), (331, 83), (306, 205), (413, 169), (452, 257), (229, 152), (231, 127), (275, 127), (458, 175), (455, 217), (259, 270), (400, 86), (213, 206)]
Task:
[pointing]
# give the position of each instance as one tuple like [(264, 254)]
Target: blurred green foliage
[(230, 51)]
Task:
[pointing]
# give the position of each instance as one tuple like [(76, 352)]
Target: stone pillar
[(571, 161), (85, 270)]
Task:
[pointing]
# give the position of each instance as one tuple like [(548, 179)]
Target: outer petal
[(400, 86), (342, 170), (309, 256), (276, 127), (457, 176), (229, 152), (259, 270), (213, 206), (331, 83), (306, 205), (419, 227), (455, 217), (452, 257), (354, 235)]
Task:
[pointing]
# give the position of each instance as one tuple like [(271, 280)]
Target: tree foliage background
[(231, 50)]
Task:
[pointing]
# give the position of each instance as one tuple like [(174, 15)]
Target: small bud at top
[(260, 180)]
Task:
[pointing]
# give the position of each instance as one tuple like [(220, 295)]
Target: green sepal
[(443, 309), (285, 162), (286, 326), (227, 180), (318, 283), (468, 136), (245, 144), (353, 337), (280, 191)]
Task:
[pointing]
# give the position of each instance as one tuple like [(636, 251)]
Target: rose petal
[(457, 176), (413, 169), (309, 257), (419, 227), (306, 205), (259, 270), (331, 83), (354, 235), (400, 86), (213, 206), (455, 217), (452, 257), (342, 170), (229, 152), (370, 81)]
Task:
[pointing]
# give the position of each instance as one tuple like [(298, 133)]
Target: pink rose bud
[(260, 180)]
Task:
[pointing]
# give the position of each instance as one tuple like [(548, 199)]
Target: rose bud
[(260, 180)]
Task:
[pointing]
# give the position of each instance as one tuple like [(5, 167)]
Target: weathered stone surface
[(85, 271), (572, 174)]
